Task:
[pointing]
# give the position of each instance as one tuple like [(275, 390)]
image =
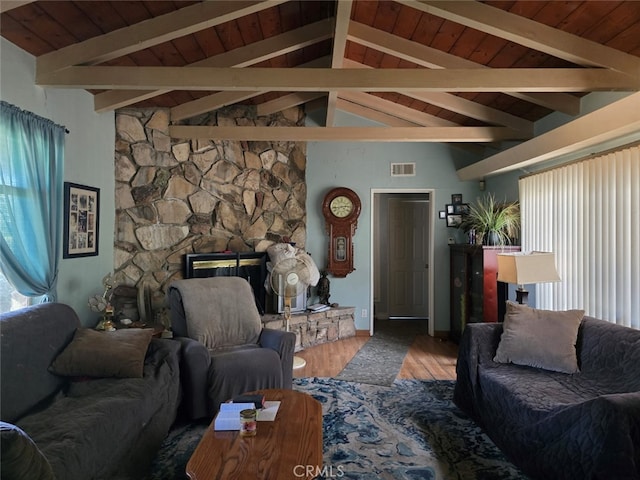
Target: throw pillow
[(20, 458), (104, 354), (540, 338)]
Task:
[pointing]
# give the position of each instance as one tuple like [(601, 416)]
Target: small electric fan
[(289, 278)]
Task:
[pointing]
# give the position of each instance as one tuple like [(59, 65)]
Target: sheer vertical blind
[(588, 213)]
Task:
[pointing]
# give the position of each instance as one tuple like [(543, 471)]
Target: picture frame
[(456, 198), (442, 214), (450, 209), (454, 220), (81, 220), (461, 208)]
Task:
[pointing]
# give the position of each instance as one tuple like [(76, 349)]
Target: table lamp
[(525, 268)]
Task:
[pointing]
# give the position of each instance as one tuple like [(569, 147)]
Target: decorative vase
[(491, 238)]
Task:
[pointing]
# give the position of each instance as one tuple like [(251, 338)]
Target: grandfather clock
[(341, 208)]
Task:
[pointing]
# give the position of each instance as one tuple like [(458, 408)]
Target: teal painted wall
[(365, 166), (89, 154)]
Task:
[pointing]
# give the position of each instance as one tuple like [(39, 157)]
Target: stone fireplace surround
[(176, 196), (315, 328)]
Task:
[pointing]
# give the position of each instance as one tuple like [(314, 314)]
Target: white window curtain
[(588, 214)]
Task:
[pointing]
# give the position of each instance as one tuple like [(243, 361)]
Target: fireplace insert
[(251, 266)]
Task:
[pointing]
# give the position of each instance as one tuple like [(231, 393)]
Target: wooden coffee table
[(288, 447)]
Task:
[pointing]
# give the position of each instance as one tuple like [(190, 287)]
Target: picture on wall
[(81, 220), (461, 209), (454, 220)]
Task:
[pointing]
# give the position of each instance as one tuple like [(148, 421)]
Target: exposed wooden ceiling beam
[(287, 101), (240, 57), (221, 99), (613, 121), (433, 58), (464, 107), (529, 33), (385, 112), (371, 114), (393, 109), (6, 5), (343, 15), (209, 103), (350, 134), (148, 33), (114, 99), (474, 110), (316, 80)]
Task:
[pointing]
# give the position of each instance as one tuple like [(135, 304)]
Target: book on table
[(228, 418), (318, 307)]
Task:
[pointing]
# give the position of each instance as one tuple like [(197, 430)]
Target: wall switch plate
[(363, 314)]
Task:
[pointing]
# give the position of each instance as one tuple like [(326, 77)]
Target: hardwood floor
[(428, 358)]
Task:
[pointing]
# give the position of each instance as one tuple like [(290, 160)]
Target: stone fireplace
[(175, 197)]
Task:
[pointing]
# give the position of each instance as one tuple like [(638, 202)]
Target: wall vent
[(403, 169)]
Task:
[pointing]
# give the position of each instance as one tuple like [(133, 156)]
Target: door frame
[(431, 193)]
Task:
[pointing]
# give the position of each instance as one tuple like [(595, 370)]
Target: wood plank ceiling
[(446, 71)]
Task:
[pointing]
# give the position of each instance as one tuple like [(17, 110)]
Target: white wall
[(89, 150)]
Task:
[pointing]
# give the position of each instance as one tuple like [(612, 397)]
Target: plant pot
[(491, 238)]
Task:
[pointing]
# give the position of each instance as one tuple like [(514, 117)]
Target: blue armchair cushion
[(234, 320)]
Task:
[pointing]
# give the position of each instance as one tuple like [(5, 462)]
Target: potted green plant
[(494, 222)]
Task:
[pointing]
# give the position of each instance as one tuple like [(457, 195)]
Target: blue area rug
[(409, 431)]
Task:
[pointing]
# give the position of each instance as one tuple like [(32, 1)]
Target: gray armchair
[(225, 350)]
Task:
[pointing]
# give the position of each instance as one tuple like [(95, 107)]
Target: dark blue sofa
[(85, 428), (554, 425)]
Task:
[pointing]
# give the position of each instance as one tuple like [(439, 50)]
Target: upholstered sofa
[(105, 411), (557, 411)]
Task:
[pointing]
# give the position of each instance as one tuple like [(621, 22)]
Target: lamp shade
[(523, 268)]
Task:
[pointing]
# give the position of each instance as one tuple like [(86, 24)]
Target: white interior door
[(408, 280)]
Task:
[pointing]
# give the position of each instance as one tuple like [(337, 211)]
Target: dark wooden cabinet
[(475, 294)]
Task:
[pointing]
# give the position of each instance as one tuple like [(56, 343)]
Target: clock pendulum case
[(341, 208)]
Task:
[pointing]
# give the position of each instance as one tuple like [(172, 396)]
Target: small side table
[(157, 327)]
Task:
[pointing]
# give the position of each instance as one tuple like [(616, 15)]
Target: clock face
[(341, 206)]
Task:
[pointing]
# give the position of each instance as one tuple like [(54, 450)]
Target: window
[(587, 213), (10, 299), (31, 184)]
